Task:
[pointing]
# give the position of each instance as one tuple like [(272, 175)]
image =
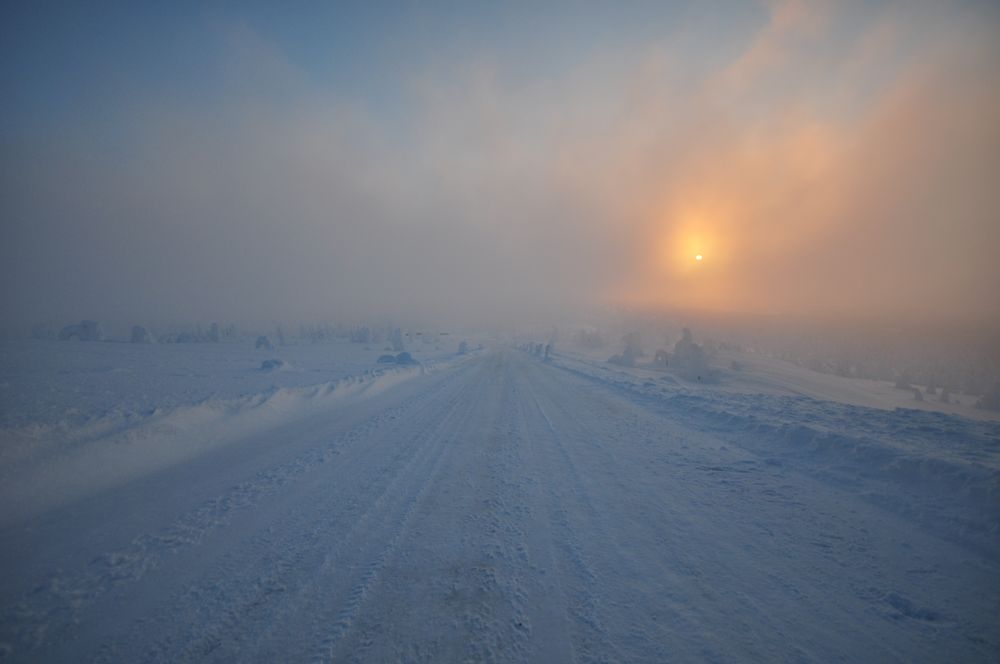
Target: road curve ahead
[(501, 510)]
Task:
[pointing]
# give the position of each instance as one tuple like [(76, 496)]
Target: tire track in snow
[(467, 540), (595, 642), (362, 586), (498, 624), (634, 581), (63, 601), (546, 597), (648, 582), (248, 612)]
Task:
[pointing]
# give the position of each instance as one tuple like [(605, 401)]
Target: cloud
[(872, 201), (791, 27), (820, 168)]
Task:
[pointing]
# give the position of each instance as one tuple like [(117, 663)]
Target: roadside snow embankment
[(939, 469), (45, 465)]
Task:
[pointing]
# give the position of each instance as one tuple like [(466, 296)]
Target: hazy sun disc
[(698, 257)]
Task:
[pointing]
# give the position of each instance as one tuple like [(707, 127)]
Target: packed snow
[(521, 501)]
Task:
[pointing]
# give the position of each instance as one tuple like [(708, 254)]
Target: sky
[(532, 162)]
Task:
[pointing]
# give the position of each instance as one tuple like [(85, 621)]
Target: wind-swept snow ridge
[(939, 469), (112, 450)]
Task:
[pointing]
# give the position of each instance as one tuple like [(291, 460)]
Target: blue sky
[(63, 58)]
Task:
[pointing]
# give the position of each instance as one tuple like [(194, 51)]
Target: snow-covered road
[(503, 509)]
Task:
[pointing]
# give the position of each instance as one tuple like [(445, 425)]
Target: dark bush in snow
[(263, 343), (405, 358), (140, 335), (386, 359), (463, 348), (272, 364), (86, 330), (213, 333)]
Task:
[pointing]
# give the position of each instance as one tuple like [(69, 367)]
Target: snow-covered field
[(179, 503)]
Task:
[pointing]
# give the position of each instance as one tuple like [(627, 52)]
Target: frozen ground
[(489, 507)]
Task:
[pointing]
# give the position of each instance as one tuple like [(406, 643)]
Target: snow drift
[(44, 466)]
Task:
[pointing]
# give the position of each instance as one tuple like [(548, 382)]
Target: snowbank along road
[(503, 509)]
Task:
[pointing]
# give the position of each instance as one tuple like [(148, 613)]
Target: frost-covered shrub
[(904, 381), (990, 400), (463, 348), (633, 351), (633, 345), (396, 339), (386, 359), (689, 359), (622, 359), (140, 335), (272, 365), (86, 330), (263, 343), (405, 358)]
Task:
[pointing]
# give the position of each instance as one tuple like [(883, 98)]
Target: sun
[(699, 257)]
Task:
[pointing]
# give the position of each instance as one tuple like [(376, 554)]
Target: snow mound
[(404, 359)]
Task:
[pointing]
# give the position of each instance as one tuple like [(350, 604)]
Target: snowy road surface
[(502, 509)]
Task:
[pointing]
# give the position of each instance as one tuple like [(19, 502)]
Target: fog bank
[(824, 161)]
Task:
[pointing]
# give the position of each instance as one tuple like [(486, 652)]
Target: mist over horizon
[(438, 332), (503, 166)]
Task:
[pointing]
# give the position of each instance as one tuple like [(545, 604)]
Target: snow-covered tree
[(689, 359)]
